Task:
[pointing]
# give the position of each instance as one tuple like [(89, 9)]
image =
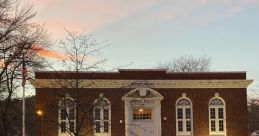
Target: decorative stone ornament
[(216, 101), (101, 95), (142, 92), (67, 95)]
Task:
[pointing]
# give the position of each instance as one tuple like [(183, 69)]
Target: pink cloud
[(248, 2), (44, 2), (58, 55), (203, 1), (238, 6), (90, 15), (235, 10), (51, 55)]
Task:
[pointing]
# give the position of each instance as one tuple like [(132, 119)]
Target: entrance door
[(142, 122), (143, 128), (142, 112)]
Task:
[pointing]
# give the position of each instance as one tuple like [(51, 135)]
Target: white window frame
[(184, 120), (67, 124), (101, 120), (142, 119), (217, 107)]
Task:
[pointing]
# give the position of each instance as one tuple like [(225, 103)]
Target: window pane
[(106, 126), (142, 114), (213, 125), (71, 126), (72, 114), (180, 126), (221, 125), (97, 114), (97, 126), (179, 113), (221, 113), (212, 113), (188, 113), (106, 114), (188, 126), (63, 114), (63, 127)]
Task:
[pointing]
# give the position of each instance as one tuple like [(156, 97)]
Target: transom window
[(217, 116), (184, 117), (102, 117), (67, 112), (142, 114)]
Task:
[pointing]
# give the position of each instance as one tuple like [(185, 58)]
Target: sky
[(146, 32)]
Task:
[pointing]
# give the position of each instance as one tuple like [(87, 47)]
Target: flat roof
[(140, 74)]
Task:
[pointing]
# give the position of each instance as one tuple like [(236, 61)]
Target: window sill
[(149, 120)]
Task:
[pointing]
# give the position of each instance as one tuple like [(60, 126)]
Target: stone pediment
[(142, 93)]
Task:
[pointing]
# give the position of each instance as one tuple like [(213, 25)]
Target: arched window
[(67, 113), (102, 117), (217, 116), (184, 117)]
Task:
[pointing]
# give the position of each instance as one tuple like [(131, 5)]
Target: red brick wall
[(47, 99)]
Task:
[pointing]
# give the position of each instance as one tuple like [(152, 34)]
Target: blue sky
[(150, 31)]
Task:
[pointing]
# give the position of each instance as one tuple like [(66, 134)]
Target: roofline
[(142, 70), (209, 72), (78, 72)]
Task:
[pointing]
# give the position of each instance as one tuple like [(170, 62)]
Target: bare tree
[(253, 114), (18, 34), (81, 53), (80, 49), (187, 64), (20, 38)]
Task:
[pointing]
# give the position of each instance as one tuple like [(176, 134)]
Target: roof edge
[(142, 70)]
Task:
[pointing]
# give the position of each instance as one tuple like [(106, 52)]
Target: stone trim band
[(99, 83)]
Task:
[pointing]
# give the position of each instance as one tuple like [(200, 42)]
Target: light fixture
[(141, 110), (39, 112)]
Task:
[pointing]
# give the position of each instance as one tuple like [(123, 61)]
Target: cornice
[(85, 83)]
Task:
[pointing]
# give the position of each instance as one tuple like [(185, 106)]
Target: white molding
[(184, 133), (102, 120), (217, 132), (85, 83), (67, 120), (152, 103)]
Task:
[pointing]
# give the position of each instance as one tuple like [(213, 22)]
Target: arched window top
[(67, 102), (102, 103), (183, 102), (216, 101)]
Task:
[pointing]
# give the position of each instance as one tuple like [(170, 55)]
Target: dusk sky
[(146, 32)]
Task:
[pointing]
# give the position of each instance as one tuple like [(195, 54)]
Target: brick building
[(142, 102)]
